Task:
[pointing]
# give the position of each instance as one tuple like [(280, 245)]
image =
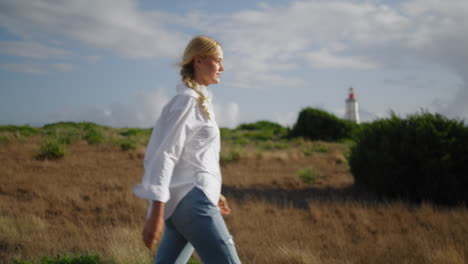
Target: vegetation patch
[(94, 137), (127, 144), (65, 259), (315, 148), (229, 156), (20, 131), (272, 145), (51, 148), (316, 124), (254, 132), (136, 132), (308, 175), (421, 157), (73, 125), (4, 139)]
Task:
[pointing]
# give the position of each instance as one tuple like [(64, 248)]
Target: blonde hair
[(198, 46)]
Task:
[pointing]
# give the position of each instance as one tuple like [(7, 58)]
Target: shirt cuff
[(151, 192)]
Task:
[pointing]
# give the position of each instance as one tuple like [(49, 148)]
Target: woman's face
[(208, 68)]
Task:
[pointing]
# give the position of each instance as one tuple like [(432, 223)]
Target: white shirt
[(183, 152)]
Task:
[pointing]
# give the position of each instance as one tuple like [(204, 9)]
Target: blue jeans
[(196, 224)]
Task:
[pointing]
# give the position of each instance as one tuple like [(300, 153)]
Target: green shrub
[(94, 137), (4, 139), (234, 136), (73, 125), (64, 135), (19, 131), (264, 130), (309, 150), (260, 135), (84, 259), (315, 124), (229, 156), (242, 141), (51, 148), (272, 145), (308, 175), (254, 132), (422, 157), (136, 132), (320, 148), (127, 144), (69, 132), (134, 137)]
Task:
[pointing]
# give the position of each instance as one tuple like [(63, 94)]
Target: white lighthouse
[(352, 107)]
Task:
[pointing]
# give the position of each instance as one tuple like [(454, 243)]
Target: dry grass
[(84, 203)]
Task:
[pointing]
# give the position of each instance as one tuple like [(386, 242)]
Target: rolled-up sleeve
[(165, 148)]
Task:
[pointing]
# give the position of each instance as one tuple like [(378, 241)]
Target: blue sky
[(113, 62)]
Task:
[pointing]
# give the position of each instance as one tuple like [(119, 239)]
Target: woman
[(182, 177)]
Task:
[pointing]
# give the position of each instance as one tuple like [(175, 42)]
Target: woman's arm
[(154, 225)]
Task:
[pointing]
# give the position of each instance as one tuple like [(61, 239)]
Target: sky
[(113, 62)]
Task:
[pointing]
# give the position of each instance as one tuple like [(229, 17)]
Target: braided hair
[(198, 46)]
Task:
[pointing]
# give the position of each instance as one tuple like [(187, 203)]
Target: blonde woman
[(182, 178)]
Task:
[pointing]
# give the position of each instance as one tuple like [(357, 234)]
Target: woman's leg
[(202, 225), (174, 248)]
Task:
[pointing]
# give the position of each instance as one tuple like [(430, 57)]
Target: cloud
[(142, 112), (266, 45), (457, 106), (24, 68), (31, 50), (227, 115), (93, 59), (324, 59), (38, 68), (286, 119), (114, 25)]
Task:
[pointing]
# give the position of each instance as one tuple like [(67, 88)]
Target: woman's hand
[(154, 225), (223, 206)]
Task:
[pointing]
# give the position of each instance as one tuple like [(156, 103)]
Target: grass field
[(83, 204)]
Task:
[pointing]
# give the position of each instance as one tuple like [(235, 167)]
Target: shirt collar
[(181, 88)]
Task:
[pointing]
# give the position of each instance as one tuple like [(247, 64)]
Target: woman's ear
[(197, 59)]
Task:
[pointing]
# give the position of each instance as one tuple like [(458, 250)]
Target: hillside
[(83, 203)]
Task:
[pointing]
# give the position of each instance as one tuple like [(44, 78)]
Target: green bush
[(20, 130), (264, 130), (422, 157), (94, 137), (4, 139), (315, 124), (51, 148), (320, 148), (73, 125), (234, 136), (136, 132), (127, 144), (84, 259), (308, 175), (254, 132), (64, 135), (229, 156), (272, 145)]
